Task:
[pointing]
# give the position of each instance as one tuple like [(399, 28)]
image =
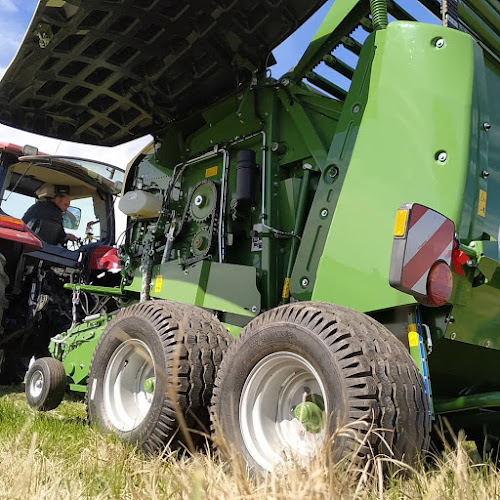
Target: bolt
[(307, 166), (324, 213), (470, 263), (198, 200), (442, 156), (439, 43), (487, 343), (304, 282), (485, 174), (333, 172), (285, 81), (254, 309), (472, 244), (486, 126), (453, 336), (356, 108)]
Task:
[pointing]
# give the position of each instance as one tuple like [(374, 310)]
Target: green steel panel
[(419, 104), (227, 288)]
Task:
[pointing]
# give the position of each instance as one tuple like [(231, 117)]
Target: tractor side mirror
[(71, 218), (421, 254)]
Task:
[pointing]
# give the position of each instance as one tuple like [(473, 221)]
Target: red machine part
[(16, 230), (104, 258)]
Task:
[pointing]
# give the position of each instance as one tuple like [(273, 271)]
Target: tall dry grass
[(56, 455)]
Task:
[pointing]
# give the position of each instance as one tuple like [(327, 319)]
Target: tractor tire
[(152, 374), (45, 384), (4, 283), (300, 373)]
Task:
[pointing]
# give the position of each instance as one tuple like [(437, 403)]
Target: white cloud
[(8, 6)]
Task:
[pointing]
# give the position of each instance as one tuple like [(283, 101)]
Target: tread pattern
[(193, 342), (54, 384), (4, 283), (381, 380)]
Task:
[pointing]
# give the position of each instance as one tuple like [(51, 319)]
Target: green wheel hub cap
[(311, 414), (149, 385)]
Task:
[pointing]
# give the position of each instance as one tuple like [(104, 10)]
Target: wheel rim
[(36, 384), (272, 432), (129, 373)]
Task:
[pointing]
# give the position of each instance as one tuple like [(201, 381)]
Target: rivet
[(453, 336), (442, 156)]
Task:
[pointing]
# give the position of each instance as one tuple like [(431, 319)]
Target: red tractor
[(34, 305)]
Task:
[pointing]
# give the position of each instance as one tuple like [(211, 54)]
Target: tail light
[(439, 283), (422, 253)]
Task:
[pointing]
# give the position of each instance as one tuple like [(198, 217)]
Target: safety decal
[(481, 206), (158, 283), (210, 172)]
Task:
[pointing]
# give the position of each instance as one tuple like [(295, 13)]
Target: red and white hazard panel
[(422, 253)]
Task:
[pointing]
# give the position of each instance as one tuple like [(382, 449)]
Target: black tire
[(4, 283), (364, 374), (45, 384), (177, 346)]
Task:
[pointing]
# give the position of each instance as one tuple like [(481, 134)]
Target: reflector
[(439, 283)]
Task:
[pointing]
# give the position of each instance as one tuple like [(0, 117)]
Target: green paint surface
[(409, 117)]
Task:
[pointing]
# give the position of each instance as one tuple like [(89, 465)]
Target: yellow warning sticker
[(481, 206), (158, 283), (286, 289), (413, 339), (210, 172)]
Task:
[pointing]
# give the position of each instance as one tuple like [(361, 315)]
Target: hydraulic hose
[(379, 14)]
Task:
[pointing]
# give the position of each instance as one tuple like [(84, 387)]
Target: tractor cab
[(35, 260)]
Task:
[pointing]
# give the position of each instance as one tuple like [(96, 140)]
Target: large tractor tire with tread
[(299, 373), (46, 384), (4, 283), (152, 374), (4, 304)]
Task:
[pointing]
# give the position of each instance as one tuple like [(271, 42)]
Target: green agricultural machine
[(275, 211)]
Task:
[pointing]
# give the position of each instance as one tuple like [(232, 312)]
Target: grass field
[(57, 455)]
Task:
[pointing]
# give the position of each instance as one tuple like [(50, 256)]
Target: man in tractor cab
[(45, 219)]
